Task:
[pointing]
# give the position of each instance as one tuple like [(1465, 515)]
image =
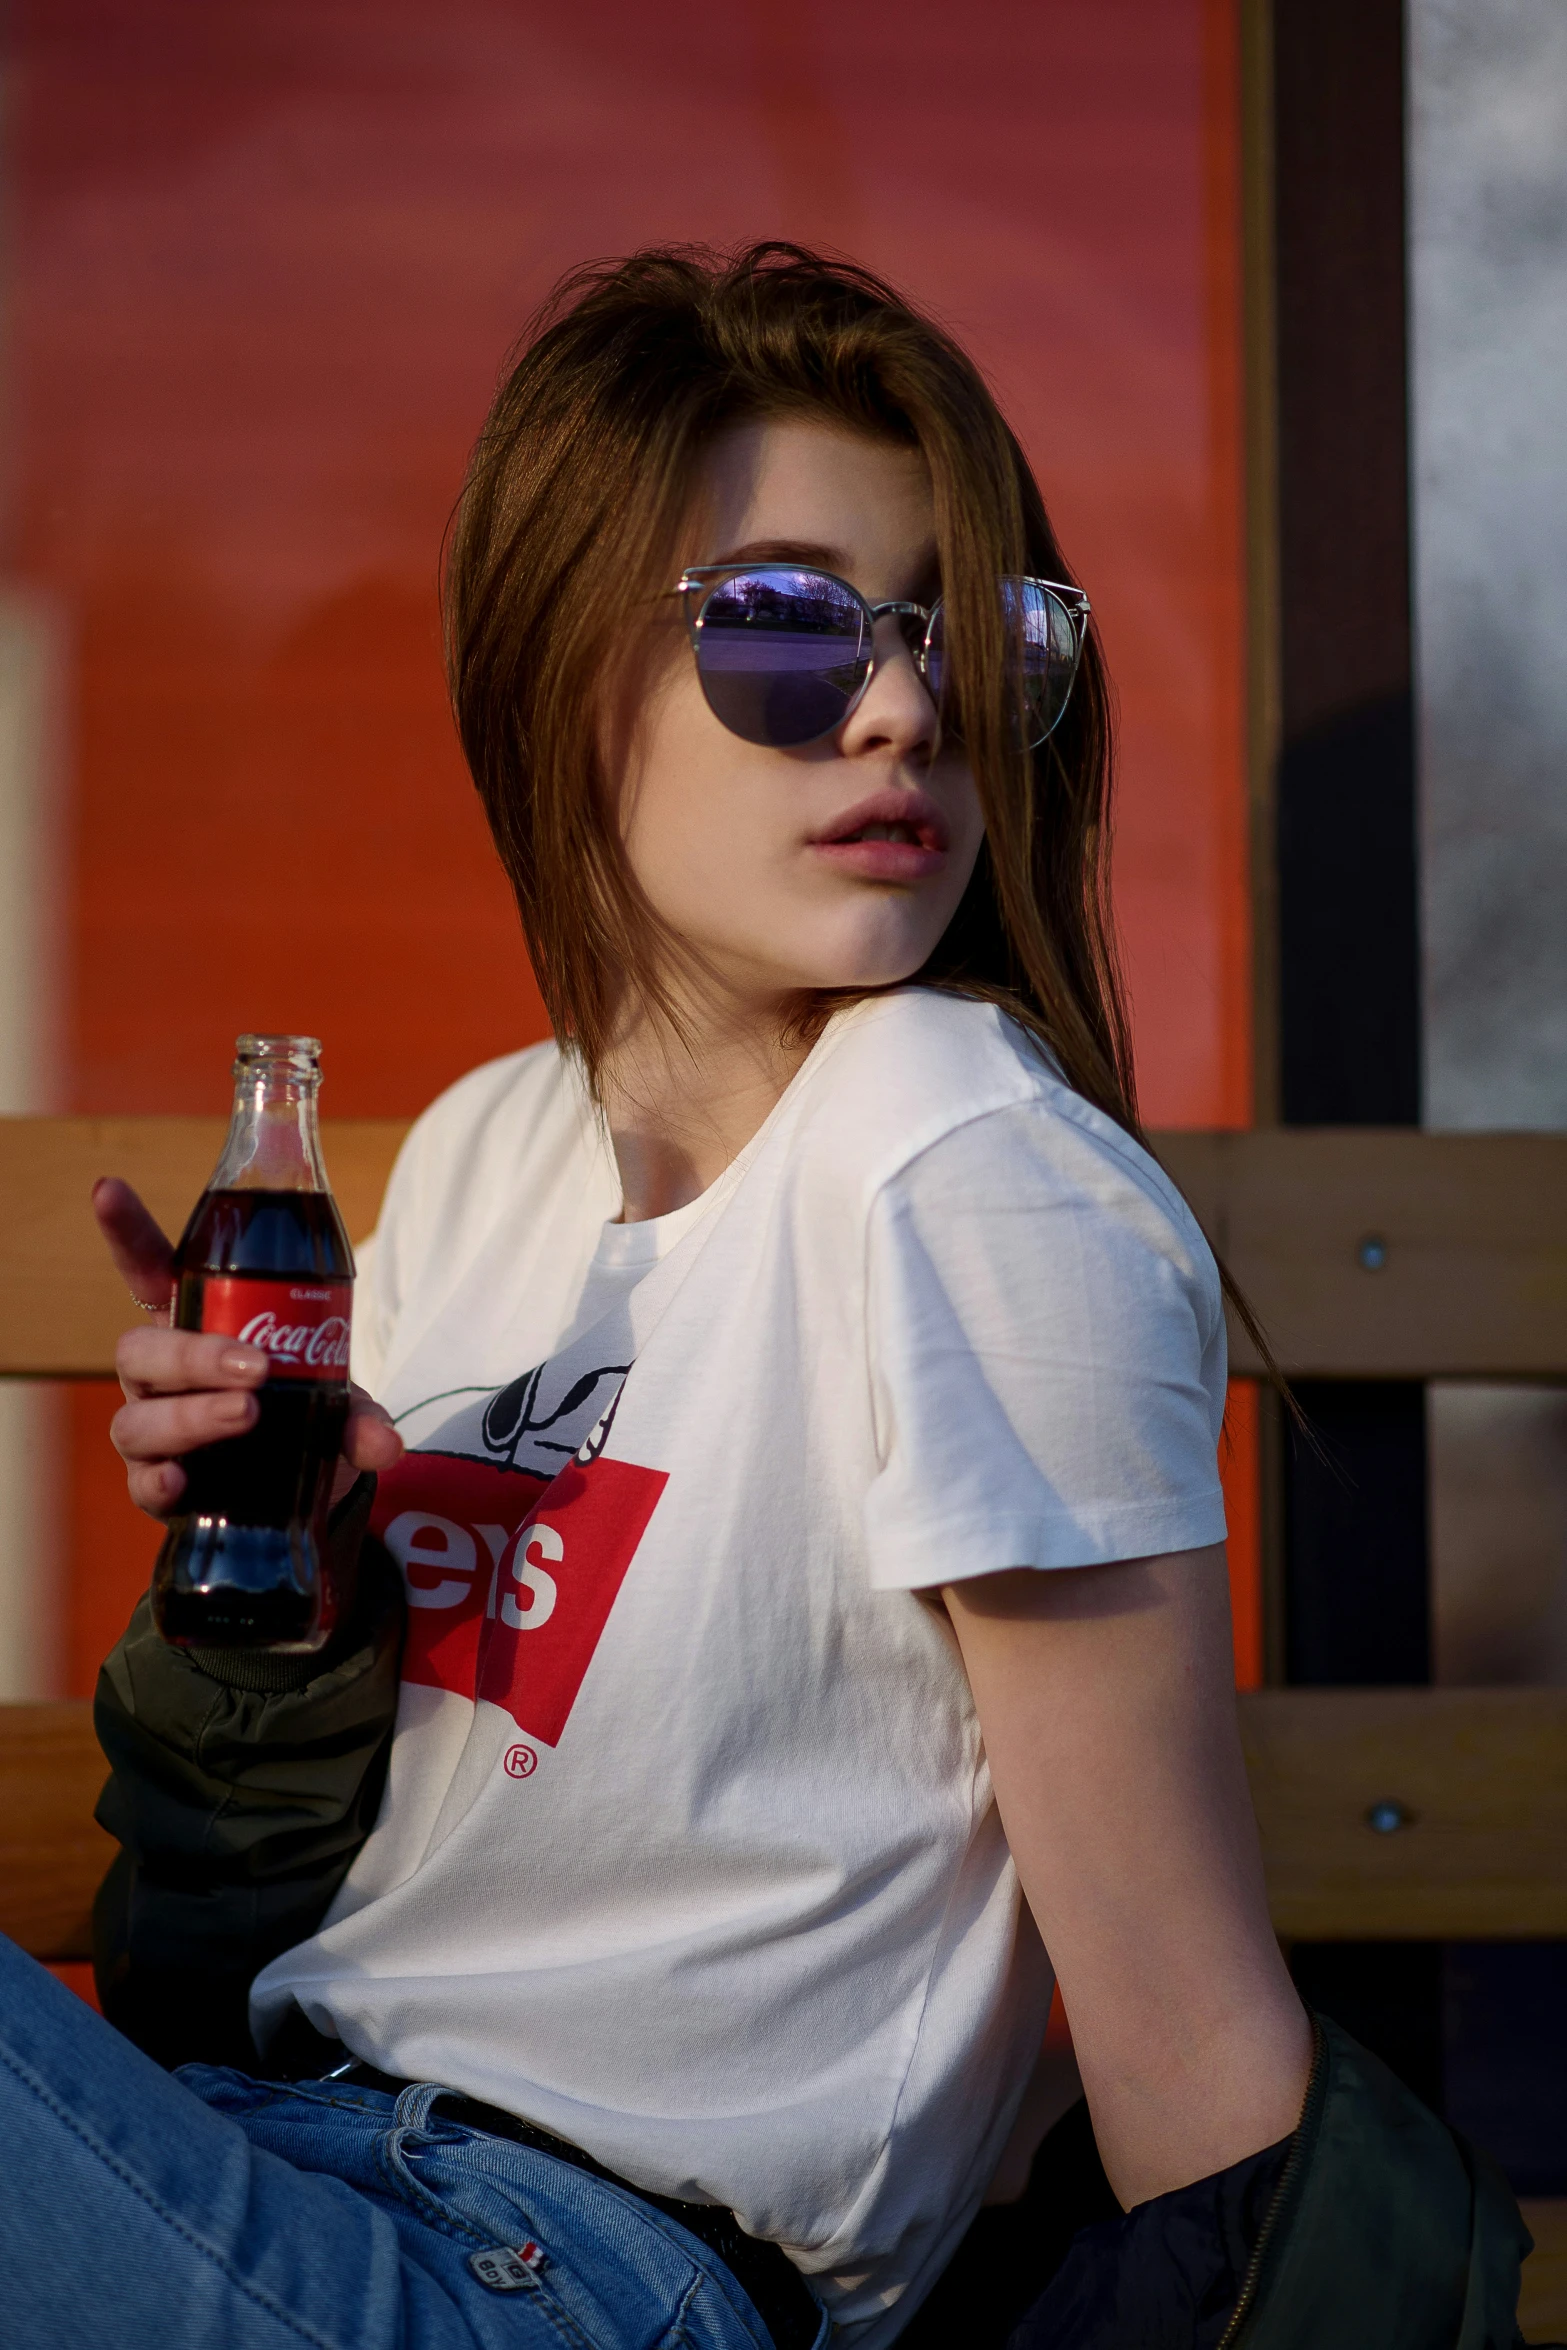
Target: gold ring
[(143, 1307)]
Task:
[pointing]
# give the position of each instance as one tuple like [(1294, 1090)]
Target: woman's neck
[(680, 1110)]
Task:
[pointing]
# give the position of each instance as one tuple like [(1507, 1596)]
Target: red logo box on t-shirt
[(510, 1581)]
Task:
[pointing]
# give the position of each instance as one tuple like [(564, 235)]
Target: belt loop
[(412, 2110)]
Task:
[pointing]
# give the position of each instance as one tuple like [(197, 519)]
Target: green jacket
[(1387, 2227), (242, 1789)]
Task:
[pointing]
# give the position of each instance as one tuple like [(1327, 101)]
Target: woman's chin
[(850, 977), (882, 955), (795, 963)]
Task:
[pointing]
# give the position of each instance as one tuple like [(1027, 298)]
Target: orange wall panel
[(266, 258)]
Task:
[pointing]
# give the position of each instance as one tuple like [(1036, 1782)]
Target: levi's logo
[(301, 1325), (510, 1580)]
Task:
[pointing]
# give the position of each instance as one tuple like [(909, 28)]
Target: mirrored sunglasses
[(785, 652)]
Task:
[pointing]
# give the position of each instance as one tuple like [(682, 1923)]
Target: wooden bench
[(1385, 1814), (1468, 1279), (1437, 1814)]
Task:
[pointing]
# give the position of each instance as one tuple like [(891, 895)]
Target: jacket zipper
[(1292, 2163)]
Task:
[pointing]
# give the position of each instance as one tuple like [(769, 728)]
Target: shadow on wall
[(1498, 1535)]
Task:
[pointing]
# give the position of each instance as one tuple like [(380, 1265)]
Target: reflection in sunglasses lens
[(1049, 652), (781, 655)]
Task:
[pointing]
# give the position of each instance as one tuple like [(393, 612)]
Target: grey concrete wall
[(1488, 344), (1488, 293)]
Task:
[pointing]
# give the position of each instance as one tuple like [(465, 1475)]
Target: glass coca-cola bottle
[(264, 1259)]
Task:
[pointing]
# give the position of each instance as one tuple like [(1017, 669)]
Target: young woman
[(799, 1392)]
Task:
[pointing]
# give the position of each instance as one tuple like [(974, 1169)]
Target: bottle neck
[(274, 1136)]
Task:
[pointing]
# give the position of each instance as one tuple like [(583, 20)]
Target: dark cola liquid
[(240, 1566)]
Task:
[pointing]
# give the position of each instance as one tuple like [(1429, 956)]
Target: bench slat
[(1480, 1777), (52, 1853), (1480, 1773), (1472, 1283), (1472, 1229), (1542, 2305), (61, 1304)]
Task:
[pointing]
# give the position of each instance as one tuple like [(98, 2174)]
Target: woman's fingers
[(154, 1361), (143, 1256), (186, 1388), (155, 1487), (371, 1442), (168, 1425), (183, 1388), (150, 1434)]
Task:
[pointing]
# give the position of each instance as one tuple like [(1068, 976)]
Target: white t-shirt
[(688, 1851)]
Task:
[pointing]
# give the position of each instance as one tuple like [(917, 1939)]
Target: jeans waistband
[(765, 2274)]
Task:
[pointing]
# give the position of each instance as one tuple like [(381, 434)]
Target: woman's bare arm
[(1106, 1698)]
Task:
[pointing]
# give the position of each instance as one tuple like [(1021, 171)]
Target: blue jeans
[(207, 2211)]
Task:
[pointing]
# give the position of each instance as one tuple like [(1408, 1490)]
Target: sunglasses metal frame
[(698, 582)]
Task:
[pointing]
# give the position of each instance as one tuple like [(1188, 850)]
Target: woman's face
[(839, 864)]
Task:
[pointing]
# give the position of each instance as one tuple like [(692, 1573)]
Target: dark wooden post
[(1345, 977)]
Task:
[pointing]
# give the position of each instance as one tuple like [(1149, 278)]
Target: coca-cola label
[(302, 1325)]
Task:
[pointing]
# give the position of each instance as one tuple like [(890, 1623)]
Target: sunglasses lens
[(781, 655), (1049, 651)]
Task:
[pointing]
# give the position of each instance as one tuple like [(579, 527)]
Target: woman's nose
[(896, 711)]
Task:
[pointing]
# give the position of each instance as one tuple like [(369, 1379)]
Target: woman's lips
[(892, 836), (882, 860)]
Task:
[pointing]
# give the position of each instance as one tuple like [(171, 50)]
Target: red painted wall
[(267, 257)]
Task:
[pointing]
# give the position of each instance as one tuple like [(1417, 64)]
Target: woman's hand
[(185, 1388), (1106, 1698)]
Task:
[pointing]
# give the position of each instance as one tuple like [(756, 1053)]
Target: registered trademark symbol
[(521, 1762)]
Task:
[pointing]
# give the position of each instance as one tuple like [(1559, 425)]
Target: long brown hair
[(566, 536)]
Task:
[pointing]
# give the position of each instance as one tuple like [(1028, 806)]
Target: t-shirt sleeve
[(1047, 1354), (455, 1159), (379, 1263), (372, 1321)]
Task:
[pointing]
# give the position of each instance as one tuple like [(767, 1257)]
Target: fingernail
[(238, 1361), (237, 1407)]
